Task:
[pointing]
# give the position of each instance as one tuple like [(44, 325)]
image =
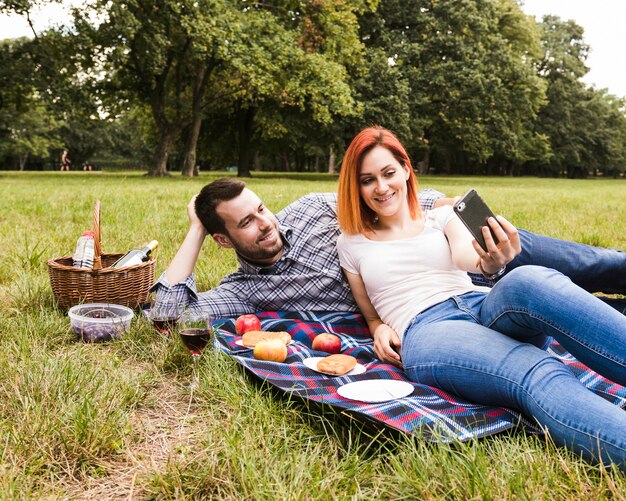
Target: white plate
[(239, 342), (311, 363), (375, 390)]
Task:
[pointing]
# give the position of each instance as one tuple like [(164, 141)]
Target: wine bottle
[(135, 256)]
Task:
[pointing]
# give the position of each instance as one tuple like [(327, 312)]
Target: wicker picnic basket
[(101, 284)]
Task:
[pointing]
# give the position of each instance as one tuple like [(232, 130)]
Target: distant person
[(87, 167), (65, 161)]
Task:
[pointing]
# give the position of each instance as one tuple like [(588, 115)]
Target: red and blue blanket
[(433, 414)]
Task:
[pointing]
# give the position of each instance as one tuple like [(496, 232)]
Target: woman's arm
[(387, 343), (469, 256)]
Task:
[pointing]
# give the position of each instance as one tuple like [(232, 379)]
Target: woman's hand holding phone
[(499, 254), (496, 241)]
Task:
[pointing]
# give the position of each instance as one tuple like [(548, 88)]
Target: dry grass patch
[(165, 430)]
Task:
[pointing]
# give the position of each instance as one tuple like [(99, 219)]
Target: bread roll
[(251, 338), (337, 364)]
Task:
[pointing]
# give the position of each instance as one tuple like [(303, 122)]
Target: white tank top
[(404, 277)]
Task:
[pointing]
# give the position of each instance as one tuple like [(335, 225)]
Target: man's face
[(251, 229)]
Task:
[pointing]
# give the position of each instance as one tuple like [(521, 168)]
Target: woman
[(407, 271)]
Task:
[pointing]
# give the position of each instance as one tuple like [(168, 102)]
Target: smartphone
[(474, 212)]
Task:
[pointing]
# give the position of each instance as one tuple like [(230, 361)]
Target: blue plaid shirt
[(307, 277)]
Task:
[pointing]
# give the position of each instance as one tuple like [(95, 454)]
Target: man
[(288, 262)]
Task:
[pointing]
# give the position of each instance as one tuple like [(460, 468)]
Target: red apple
[(246, 323), (327, 342)]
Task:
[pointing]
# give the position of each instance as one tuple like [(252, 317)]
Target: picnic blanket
[(432, 413)]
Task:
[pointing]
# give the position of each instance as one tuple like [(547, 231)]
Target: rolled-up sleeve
[(224, 301), (183, 291)]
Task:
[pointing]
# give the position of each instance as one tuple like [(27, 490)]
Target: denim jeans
[(489, 348), (595, 269)]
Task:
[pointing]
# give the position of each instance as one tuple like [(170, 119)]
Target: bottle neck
[(150, 247)]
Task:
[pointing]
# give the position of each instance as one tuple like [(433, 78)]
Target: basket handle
[(97, 248)]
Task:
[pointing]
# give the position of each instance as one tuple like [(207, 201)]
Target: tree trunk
[(191, 141), (191, 145), (246, 120), (22, 160), (166, 134), (162, 152), (447, 163), (286, 162), (332, 159), (424, 165)]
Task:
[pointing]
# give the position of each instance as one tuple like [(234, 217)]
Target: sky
[(604, 22)]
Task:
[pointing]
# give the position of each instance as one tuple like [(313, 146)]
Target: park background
[(471, 87), (118, 421)]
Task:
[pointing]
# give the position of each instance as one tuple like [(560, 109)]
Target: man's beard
[(254, 253)]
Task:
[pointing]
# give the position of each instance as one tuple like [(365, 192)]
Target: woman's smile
[(385, 199)]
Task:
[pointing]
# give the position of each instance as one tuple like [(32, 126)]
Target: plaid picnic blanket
[(432, 413)]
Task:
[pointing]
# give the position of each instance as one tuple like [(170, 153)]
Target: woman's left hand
[(500, 254), (387, 345)]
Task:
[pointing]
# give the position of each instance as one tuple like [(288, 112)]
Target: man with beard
[(289, 262)]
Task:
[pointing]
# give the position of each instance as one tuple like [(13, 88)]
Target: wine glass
[(164, 314), (195, 332)]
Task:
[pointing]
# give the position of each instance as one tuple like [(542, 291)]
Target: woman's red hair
[(352, 213)]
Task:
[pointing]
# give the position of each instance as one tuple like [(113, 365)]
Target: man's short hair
[(213, 194)]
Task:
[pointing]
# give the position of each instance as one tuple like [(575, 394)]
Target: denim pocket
[(470, 303)]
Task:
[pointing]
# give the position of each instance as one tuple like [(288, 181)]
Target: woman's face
[(383, 182)]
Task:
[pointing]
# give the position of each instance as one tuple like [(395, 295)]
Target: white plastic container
[(98, 322)]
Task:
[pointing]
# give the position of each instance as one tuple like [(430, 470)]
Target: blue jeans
[(489, 348), (595, 269)]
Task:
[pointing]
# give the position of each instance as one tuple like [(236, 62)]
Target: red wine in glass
[(195, 339), (164, 325)]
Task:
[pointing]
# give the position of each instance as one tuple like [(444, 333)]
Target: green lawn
[(118, 421)]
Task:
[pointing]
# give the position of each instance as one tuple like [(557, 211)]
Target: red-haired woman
[(408, 272)]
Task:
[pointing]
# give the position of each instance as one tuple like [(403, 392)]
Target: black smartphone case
[(474, 212)]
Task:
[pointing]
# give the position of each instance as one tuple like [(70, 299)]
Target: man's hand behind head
[(194, 221)]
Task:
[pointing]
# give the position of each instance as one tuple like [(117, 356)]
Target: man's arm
[(440, 202), (185, 260), (429, 198)]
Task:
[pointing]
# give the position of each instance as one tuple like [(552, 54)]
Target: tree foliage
[(473, 91), (470, 86), (28, 126), (585, 126)]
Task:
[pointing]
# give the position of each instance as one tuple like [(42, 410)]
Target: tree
[(144, 49), (585, 126), (34, 133), (473, 92), (175, 57), (28, 125), (293, 61)]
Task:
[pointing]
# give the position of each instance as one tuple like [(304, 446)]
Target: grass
[(116, 420)]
